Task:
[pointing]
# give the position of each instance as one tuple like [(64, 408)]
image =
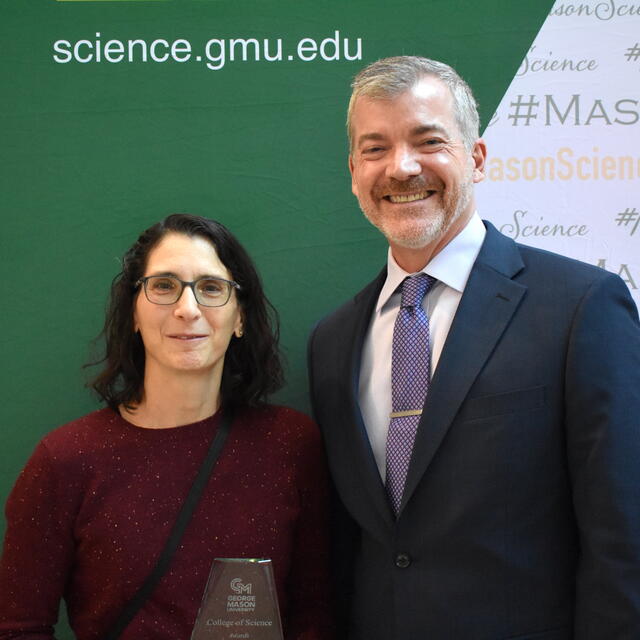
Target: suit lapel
[(353, 438), (487, 305)]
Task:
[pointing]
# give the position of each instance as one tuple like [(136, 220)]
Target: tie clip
[(404, 414)]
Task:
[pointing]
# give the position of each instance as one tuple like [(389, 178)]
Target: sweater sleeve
[(310, 602), (37, 553)]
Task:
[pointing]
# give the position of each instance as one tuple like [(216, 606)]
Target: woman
[(188, 338)]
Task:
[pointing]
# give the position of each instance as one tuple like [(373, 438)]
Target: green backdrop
[(93, 151)]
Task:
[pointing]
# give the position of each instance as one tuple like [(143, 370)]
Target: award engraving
[(240, 601)]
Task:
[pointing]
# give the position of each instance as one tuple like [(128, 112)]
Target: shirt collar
[(451, 266)]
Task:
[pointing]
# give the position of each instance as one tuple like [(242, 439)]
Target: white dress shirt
[(451, 268)]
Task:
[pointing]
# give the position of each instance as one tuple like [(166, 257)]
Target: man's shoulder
[(555, 281), (536, 257)]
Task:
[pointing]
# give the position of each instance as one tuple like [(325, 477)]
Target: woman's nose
[(187, 306)]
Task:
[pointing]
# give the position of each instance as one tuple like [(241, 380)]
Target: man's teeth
[(411, 197)]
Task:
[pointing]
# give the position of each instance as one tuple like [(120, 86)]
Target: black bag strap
[(134, 605)]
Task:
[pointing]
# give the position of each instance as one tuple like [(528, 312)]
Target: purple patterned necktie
[(410, 377)]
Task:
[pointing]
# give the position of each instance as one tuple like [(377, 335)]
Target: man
[(484, 439)]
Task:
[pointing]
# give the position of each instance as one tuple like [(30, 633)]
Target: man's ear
[(354, 184), (479, 157)]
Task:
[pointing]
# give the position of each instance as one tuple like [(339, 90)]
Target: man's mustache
[(401, 187)]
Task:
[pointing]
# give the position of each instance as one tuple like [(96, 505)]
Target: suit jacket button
[(403, 560)]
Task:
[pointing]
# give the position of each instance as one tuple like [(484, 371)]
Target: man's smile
[(408, 197)]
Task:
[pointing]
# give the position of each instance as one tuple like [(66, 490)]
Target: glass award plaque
[(240, 601)]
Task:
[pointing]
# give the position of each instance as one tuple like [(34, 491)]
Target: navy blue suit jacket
[(521, 512)]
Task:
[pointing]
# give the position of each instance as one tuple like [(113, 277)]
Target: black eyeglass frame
[(184, 283)]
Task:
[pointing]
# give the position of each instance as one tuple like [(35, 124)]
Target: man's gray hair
[(389, 77)]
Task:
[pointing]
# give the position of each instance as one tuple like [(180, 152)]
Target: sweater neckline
[(183, 429)]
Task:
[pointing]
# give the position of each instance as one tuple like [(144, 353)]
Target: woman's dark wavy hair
[(252, 366)]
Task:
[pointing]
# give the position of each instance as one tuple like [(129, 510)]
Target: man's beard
[(414, 231)]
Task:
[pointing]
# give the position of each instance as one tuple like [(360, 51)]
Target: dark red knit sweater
[(92, 509)]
